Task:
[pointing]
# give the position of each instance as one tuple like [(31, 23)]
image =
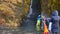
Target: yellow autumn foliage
[(49, 6), (14, 10), (6, 10)]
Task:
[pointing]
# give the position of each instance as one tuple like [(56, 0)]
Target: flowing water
[(30, 12)]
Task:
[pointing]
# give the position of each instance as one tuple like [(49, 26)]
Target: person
[(42, 24), (55, 22), (38, 23), (45, 27)]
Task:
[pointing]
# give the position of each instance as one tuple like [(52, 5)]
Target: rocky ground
[(27, 28)]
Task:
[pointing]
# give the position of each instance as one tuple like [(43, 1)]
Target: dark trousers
[(54, 33)]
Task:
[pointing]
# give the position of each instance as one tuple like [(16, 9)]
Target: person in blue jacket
[(55, 22), (38, 23)]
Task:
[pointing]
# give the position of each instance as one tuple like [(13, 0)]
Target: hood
[(55, 13), (38, 17)]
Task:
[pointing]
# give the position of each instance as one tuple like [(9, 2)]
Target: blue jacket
[(38, 18), (55, 21)]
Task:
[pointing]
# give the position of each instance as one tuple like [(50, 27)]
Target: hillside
[(13, 11)]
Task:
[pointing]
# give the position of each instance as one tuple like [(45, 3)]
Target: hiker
[(42, 23), (45, 27), (55, 22), (38, 23)]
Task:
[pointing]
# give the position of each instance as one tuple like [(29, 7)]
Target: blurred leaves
[(51, 6), (14, 11)]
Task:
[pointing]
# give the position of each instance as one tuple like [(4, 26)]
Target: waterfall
[(30, 11)]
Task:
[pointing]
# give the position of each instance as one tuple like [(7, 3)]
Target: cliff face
[(13, 11)]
